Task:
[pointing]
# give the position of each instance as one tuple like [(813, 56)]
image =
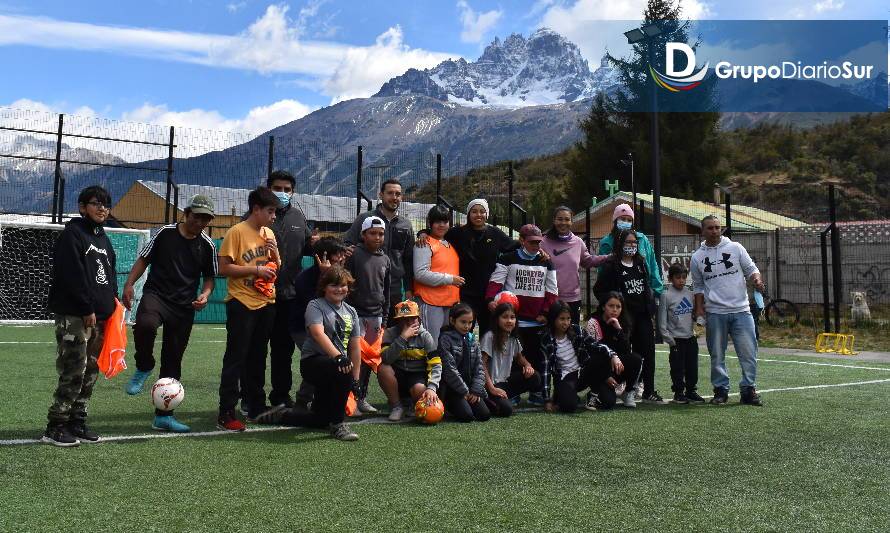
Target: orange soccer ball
[(429, 413)]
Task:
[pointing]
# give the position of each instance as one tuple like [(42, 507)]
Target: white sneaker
[(396, 413), (365, 407), (628, 399)]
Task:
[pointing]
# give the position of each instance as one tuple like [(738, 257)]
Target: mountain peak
[(544, 68)]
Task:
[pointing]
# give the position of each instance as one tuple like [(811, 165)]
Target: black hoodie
[(84, 274)]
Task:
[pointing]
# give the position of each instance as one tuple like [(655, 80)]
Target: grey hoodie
[(370, 293), (720, 273), (675, 314)]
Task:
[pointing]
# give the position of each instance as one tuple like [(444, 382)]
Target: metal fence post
[(642, 216), (728, 203), (510, 197), (271, 156), (825, 305), (169, 179), (588, 289), (836, 280), (58, 205), (438, 177), (778, 282), (358, 183)]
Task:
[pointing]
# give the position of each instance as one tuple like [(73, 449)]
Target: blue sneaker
[(134, 386), (169, 423), (536, 399)]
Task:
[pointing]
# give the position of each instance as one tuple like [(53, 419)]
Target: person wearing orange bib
[(437, 279)]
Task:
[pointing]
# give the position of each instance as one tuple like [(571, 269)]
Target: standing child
[(576, 361), (248, 257), (437, 278), (371, 268), (82, 297), (609, 325), (411, 367), (464, 388), (675, 319), (507, 372)]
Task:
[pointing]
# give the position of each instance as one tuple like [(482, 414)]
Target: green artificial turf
[(811, 459)]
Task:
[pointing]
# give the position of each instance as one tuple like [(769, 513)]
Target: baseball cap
[(373, 222), (407, 309), (530, 232), (201, 204)]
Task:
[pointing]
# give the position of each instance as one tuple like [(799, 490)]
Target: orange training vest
[(443, 261)]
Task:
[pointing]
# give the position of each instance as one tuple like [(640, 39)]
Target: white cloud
[(590, 23), (234, 7), (364, 69), (476, 25), (271, 44), (828, 5), (258, 120)]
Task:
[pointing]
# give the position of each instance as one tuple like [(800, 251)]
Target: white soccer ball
[(167, 394)]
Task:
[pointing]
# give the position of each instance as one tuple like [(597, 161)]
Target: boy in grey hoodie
[(720, 268), (371, 268), (675, 321)]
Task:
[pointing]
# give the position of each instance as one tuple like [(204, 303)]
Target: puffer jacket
[(461, 363)]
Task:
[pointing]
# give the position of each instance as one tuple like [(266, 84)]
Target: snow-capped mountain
[(543, 69)]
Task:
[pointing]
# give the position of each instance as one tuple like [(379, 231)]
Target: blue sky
[(250, 65)]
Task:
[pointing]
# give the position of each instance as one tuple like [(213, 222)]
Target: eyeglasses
[(98, 205)]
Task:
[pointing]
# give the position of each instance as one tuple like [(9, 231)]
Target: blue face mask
[(622, 225), (283, 197)]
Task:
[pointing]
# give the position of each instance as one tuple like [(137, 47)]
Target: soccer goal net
[(26, 264)]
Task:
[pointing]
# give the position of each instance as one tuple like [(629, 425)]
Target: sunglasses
[(98, 205)]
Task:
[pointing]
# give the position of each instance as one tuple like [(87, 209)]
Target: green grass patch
[(812, 459)]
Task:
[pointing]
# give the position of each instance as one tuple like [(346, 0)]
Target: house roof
[(318, 208), (744, 218)]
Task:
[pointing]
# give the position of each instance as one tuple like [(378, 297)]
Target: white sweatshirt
[(720, 273)]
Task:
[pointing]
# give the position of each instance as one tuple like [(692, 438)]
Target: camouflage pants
[(76, 363)]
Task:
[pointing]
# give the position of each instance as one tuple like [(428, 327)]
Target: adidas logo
[(683, 308)]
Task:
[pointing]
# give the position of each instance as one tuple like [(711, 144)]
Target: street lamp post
[(647, 33), (633, 185)]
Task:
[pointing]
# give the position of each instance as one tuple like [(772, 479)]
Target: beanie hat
[(477, 201), (622, 210)]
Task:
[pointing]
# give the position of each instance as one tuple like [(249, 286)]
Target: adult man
[(180, 255), (398, 241), (294, 241), (719, 269)]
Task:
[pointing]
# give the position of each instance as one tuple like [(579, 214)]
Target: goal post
[(26, 264)]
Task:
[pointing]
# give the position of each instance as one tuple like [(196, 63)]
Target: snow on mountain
[(543, 69)]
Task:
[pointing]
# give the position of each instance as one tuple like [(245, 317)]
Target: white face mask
[(630, 249), (283, 197)]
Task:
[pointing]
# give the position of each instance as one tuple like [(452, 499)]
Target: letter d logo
[(670, 50)]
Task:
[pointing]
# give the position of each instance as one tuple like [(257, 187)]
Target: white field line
[(379, 420)]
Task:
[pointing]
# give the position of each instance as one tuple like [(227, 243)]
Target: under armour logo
[(727, 264)]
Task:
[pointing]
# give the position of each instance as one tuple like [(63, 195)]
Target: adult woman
[(329, 358), (626, 272), (568, 253), (436, 273), (478, 246), (623, 219)]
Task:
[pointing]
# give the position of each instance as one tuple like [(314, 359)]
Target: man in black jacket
[(82, 297), (294, 240)]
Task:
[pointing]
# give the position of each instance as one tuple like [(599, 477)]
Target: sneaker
[(274, 416), (750, 397), (365, 407), (593, 401), (396, 413), (80, 431), (58, 435), (653, 397), (228, 422), (286, 404), (536, 399), (721, 396), (694, 397), (629, 398), (679, 397), (253, 415), (342, 432), (169, 423), (137, 382)]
